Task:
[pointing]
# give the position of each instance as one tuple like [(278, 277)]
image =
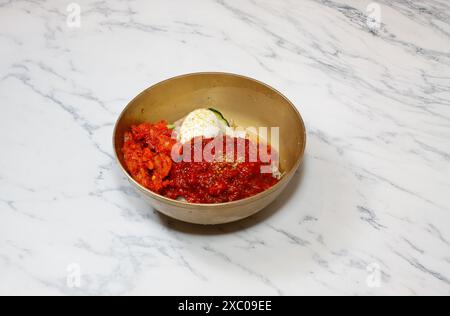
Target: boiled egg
[(204, 123)]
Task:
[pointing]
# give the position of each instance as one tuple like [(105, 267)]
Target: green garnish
[(220, 116), (170, 126)]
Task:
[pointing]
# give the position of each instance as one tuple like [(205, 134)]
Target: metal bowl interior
[(248, 102)]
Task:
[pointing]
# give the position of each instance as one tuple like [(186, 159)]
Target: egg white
[(200, 123)]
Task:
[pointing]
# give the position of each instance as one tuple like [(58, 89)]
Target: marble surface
[(369, 213)]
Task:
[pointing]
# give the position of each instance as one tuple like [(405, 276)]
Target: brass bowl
[(248, 102)]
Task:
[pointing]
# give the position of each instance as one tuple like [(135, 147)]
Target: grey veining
[(369, 213)]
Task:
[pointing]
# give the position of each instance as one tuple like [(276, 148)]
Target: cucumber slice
[(220, 116)]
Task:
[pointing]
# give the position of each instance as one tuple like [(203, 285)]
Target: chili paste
[(228, 175)]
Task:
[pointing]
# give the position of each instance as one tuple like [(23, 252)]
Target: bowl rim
[(284, 180)]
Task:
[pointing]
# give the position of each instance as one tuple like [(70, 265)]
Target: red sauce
[(147, 153)]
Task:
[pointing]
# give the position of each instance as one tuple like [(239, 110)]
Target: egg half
[(201, 123)]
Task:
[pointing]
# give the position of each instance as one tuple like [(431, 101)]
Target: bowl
[(248, 102)]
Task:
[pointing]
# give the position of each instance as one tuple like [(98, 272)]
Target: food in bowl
[(249, 102), (202, 158)]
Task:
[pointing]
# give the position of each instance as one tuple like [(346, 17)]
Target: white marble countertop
[(368, 214)]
